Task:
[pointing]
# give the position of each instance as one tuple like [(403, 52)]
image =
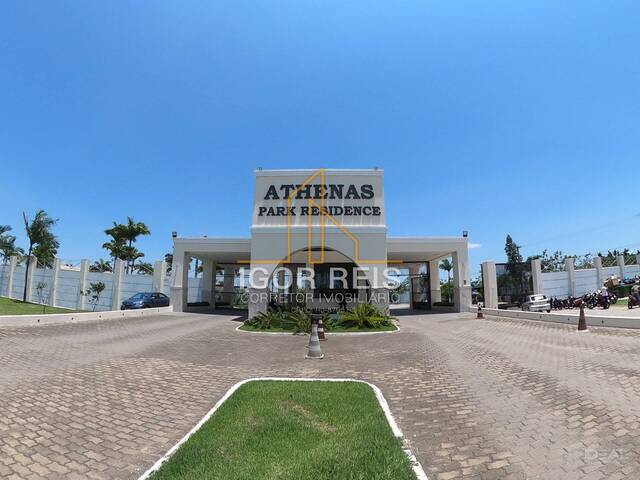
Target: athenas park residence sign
[(319, 192)]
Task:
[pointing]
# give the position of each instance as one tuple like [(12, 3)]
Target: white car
[(537, 303)]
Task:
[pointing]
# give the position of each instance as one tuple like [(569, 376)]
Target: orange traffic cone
[(582, 321), (321, 336), (314, 344)]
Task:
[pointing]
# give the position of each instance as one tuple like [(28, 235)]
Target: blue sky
[(495, 117)]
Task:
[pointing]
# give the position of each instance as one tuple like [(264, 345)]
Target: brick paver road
[(477, 398)]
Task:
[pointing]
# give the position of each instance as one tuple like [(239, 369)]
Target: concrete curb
[(592, 320), (395, 429), (62, 318)]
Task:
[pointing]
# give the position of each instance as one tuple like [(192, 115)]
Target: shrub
[(364, 315), (265, 319), (93, 292), (297, 320), (300, 319)]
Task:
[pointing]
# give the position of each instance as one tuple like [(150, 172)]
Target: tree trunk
[(26, 273), (130, 267)]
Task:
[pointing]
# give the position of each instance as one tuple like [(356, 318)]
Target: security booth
[(309, 224)]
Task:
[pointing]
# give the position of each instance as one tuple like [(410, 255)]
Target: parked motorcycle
[(596, 299), (634, 296), (563, 303)]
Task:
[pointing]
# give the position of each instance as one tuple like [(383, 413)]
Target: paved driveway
[(477, 398)]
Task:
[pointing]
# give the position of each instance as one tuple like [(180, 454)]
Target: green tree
[(93, 292), (115, 249), (46, 252), (513, 282), (447, 266), (8, 244), (584, 261), (123, 237), (199, 267), (611, 257), (144, 268), (131, 254), (131, 231), (100, 266), (168, 258), (446, 291), (39, 234), (403, 286), (512, 250), (550, 262)]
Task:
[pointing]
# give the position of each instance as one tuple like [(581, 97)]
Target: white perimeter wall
[(69, 286), (556, 284)]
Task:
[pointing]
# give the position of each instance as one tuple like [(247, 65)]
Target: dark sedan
[(145, 300)]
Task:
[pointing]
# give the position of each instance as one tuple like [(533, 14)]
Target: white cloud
[(475, 245)]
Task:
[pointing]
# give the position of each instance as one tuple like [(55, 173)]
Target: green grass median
[(295, 431)]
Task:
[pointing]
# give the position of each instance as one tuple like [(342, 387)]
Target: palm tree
[(197, 268), (447, 266), (123, 236), (116, 245), (144, 268), (168, 258), (8, 244), (115, 249), (40, 236), (100, 266), (46, 252), (130, 255)]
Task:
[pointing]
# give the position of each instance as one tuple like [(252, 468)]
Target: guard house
[(310, 221)]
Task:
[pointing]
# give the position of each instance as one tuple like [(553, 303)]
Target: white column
[(361, 281), (569, 267), (179, 280), (620, 260), (638, 259), (159, 273), (434, 281), (33, 264), (461, 281), (54, 281), (229, 283), (13, 261), (258, 301), (118, 271), (208, 282), (597, 262), (81, 302), (536, 274), (490, 284), (259, 297)]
